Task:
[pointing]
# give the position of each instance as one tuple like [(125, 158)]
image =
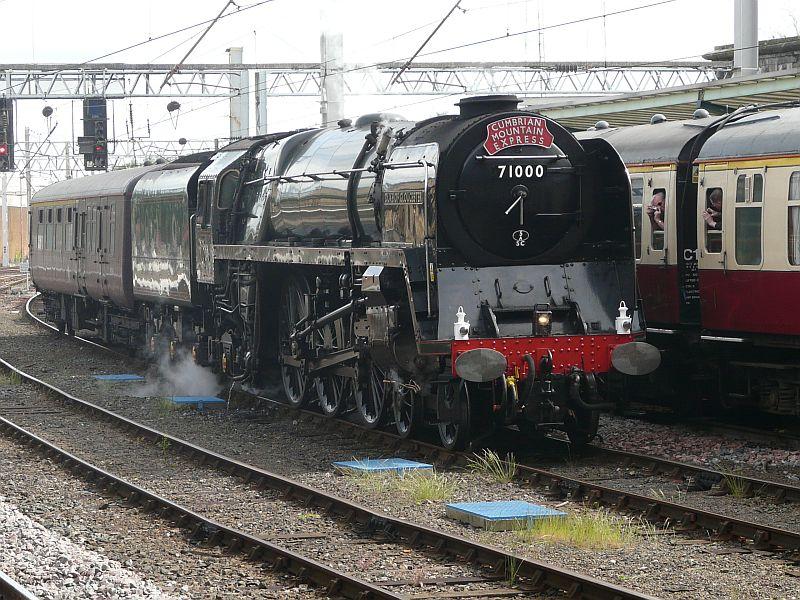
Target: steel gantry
[(117, 80)]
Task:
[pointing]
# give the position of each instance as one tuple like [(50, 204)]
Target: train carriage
[(469, 271), (719, 252)]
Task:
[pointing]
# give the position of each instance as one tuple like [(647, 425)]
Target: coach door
[(104, 258), (713, 225), (79, 233), (657, 274)]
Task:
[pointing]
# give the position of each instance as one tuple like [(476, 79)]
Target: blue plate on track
[(372, 465), (119, 377), (500, 516)]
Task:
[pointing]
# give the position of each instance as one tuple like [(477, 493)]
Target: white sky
[(377, 30)]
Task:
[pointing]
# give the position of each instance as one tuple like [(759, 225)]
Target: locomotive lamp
[(461, 326), (543, 317), (623, 321)]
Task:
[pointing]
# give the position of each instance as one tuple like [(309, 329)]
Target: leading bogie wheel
[(292, 311), (404, 410), (582, 427), (455, 434)]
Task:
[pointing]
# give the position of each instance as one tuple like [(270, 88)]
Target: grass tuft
[(422, 487), (596, 531), (11, 377), (489, 464), (164, 445), (309, 516), (416, 486), (737, 486), (512, 567), (166, 406)]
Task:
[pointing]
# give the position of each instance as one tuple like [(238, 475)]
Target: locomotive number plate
[(521, 171)]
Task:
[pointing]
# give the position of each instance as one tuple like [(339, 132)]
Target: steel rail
[(203, 529), (752, 486), (655, 510), (686, 518), (532, 574), (11, 590)]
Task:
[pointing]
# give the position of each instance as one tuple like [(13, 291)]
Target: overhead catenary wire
[(249, 88), (240, 9), (174, 69), (425, 43)]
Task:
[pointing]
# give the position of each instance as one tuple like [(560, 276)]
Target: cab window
[(637, 191), (204, 203), (657, 213), (794, 218), (712, 217), (227, 190)]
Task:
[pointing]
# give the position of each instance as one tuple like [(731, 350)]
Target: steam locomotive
[(717, 211), (467, 271)]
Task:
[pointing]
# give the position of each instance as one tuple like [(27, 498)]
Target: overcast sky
[(47, 31)]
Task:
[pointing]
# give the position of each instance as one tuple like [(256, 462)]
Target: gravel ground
[(638, 480), (225, 499), (726, 453), (62, 540), (658, 562)]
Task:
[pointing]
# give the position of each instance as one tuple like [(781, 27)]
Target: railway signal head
[(5, 157), (6, 134)]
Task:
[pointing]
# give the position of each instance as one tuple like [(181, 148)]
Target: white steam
[(180, 377)]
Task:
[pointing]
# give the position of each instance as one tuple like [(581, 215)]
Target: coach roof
[(113, 183), (767, 133), (651, 143)]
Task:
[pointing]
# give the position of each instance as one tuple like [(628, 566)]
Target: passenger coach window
[(227, 189), (712, 215), (637, 190), (758, 188), (794, 218), (657, 211), (747, 219)]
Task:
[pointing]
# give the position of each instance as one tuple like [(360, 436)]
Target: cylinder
[(745, 37)]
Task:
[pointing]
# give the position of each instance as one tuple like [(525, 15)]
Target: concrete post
[(28, 177), (331, 45), (261, 102), (745, 37), (68, 160), (240, 96)]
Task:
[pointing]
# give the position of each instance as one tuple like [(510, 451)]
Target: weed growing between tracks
[(11, 378), (736, 485), (595, 531), (489, 464), (417, 487)]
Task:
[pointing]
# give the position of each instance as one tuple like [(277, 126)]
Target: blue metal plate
[(119, 377), (398, 465), (498, 516), (511, 509), (199, 401)]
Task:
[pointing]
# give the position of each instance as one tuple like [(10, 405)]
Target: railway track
[(489, 564), (11, 590), (660, 511), (657, 510)]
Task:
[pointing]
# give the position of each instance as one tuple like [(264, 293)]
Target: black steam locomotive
[(464, 271)]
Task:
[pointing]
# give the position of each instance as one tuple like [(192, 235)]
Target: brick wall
[(18, 233)]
